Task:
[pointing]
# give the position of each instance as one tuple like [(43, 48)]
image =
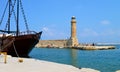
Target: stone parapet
[(52, 43), (94, 47)]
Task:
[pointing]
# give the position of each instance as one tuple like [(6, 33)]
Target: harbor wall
[(52, 43), (65, 44)]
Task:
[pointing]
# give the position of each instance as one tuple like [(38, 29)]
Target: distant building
[(73, 41)]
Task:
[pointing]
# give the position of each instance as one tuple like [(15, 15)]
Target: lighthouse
[(73, 41)]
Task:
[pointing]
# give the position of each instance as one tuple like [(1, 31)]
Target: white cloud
[(47, 31), (89, 32), (52, 33), (108, 33), (105, 22)]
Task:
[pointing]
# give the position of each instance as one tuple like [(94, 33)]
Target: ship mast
[(9, 17), (17, 19), (17, 31), (16, 15)]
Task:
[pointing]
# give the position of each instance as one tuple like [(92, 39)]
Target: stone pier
[(72, 42)]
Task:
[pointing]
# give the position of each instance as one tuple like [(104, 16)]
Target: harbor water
[(102, 60)]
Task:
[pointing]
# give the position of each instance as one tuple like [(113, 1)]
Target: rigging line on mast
[(3, 13), (25, 20), (15, 16), (12, 10)]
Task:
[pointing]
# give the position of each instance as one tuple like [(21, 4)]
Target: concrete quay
[(94, 47), (15, 64)]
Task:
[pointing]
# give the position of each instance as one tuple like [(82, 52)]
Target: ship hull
[(22, 45), (14, 41)]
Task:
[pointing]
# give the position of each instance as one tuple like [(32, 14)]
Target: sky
[(97, 20)]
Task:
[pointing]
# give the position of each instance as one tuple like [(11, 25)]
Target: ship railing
[(26, 32), (20, 33)]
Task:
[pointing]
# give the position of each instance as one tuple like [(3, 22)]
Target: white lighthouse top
[(73, 17)]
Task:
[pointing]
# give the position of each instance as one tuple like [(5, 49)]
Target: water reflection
[(74, 57), (103, 60)]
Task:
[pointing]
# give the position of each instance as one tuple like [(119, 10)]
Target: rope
[(12, 10), (3, 13), (15, 50), (23, 13)]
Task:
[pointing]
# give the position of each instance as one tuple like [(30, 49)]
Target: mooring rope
[(15, 50)]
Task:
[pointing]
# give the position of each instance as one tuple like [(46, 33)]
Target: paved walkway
[(33, 65)]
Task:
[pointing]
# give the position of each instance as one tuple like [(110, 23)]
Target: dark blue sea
[(103, 60)]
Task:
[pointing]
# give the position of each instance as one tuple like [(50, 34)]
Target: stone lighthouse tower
[(73, 41)]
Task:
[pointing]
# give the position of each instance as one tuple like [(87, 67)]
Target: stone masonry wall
[(52, 43)]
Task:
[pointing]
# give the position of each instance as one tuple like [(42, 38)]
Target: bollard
[(20, 60), (5, 56)]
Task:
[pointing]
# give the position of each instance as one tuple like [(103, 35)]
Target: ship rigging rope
[(12, 10), (23, 13), (3, 13)]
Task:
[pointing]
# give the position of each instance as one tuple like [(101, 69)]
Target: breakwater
[(64, 44), (94, 47)]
